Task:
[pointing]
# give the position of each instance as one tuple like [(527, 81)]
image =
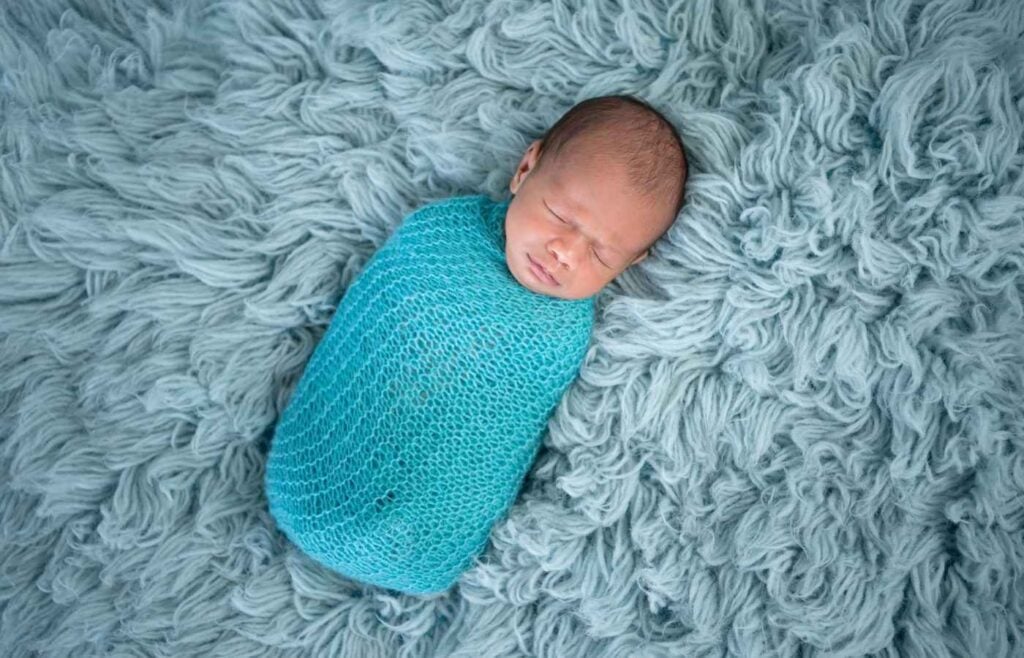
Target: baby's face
[(579, 220)]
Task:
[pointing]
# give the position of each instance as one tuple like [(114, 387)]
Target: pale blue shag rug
[(799, 431)]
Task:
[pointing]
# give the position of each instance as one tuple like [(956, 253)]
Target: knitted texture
[(419, 413)]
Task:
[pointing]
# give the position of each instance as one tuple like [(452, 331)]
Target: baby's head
[(592, 195)]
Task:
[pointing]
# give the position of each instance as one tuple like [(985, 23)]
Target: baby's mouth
[(542, 274)]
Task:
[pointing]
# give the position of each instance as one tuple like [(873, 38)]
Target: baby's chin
[(526, 280)]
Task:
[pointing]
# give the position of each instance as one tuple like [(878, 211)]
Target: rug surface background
[(799, 430)]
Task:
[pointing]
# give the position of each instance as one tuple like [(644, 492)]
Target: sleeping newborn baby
[(422, 408)]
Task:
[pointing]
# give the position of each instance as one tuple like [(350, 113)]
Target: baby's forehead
[(579, 188)]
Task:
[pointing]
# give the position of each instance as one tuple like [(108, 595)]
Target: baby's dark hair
[(651, 146)]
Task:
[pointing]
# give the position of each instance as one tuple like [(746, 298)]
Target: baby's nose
[(568, 250)]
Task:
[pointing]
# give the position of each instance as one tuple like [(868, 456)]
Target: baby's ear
[(640, 257)]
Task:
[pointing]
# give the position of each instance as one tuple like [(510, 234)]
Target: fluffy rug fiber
[(799, 430)]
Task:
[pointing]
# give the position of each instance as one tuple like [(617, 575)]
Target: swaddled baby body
[(423, 406)]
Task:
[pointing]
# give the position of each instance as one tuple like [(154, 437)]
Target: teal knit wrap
[(421, 410)]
